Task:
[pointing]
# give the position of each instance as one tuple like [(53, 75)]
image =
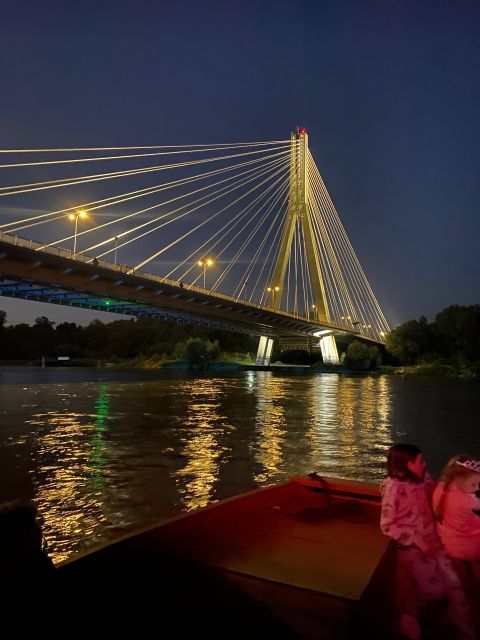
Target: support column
[(264, 352), (268, 351), (329, 350)]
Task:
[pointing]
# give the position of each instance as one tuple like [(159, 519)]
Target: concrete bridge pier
[(328, 346), (264, 351)]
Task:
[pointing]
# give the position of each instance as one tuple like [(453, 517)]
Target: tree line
[(114, 341), (453, 338)]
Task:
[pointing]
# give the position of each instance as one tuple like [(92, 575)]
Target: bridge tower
[(299, 213)]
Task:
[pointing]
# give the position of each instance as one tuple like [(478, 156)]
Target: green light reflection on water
[(98, 459)]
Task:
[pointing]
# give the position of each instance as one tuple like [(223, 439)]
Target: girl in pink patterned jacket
[(457, 509), (407, 518)]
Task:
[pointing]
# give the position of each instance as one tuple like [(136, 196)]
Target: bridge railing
[(126, 270)]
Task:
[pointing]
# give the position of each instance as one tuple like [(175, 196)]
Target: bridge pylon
[(299, 213)]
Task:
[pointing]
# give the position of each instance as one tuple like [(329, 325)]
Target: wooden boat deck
[(286, 535), (280, 561)]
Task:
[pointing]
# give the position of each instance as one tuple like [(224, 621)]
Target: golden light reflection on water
[(71, 457), (349, 423), (271, 427), (334, 424), (204, 425)]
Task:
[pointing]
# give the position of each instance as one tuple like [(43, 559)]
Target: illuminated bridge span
[(241, 236)]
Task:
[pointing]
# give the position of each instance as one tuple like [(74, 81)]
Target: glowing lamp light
[(273, 291), (75, 216), (206, 262), (79, 214)]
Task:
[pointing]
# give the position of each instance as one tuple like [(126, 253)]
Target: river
[(103, 452)]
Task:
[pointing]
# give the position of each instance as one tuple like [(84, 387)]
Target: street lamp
[(76, 216), (206, 262), (273, 290), (314, 308), (116, 248), (243, 291)]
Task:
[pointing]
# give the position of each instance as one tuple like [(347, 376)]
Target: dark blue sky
[(389, 92)]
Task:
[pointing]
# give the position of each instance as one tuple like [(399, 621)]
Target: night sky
[(389, 92)]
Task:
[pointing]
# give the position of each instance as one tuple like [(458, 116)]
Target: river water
[(103, 452)]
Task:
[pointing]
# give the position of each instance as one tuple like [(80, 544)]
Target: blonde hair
[(455, 469)]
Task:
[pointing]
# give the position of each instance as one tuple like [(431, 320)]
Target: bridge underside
[(49, 276)]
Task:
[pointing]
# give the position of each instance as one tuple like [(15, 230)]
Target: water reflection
[(329, 423), (337, 426), (98, 459), (204, 425), (270, 425), (71, 455), (349, 423)]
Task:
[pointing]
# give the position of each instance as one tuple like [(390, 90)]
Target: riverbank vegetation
[(135, 342), (448, 346)]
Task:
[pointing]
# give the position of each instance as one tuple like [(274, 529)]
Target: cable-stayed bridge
[(242, 236)]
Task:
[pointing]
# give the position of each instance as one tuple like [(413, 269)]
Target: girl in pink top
[(457, 508), (407, 518)]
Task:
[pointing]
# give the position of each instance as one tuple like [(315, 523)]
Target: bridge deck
[(32, 271)]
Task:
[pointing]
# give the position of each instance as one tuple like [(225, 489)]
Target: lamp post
[(76, 216), (273, 290), (314, 309), (243, 291), (116, 247), (206, 262)]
